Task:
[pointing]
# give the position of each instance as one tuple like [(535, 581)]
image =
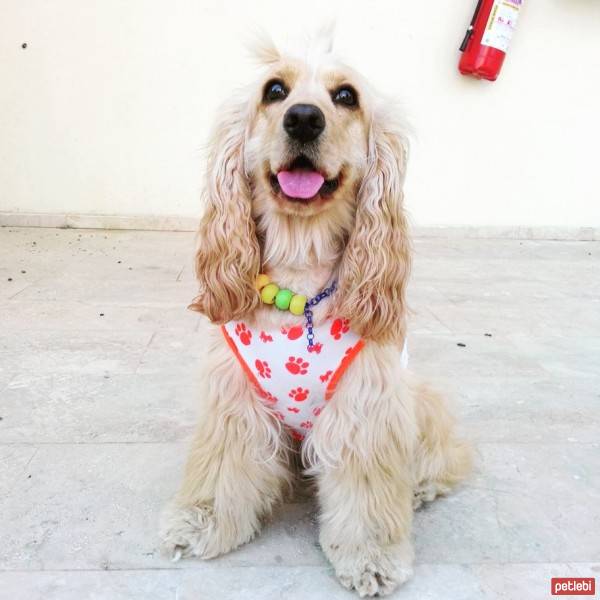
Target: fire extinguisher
[(487, 38)]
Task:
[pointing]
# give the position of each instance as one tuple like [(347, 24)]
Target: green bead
[(283, 299), (269, 292), (297, 304)]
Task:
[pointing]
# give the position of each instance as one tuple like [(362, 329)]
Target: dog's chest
[(293, 379)]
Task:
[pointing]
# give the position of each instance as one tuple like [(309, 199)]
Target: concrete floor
[(98, 359)]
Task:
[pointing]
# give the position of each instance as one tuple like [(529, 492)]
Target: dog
[(304, 197)]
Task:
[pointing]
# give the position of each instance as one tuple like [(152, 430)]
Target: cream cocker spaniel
[(304, 188)]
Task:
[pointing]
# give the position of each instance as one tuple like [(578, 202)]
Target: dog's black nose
[(304, 122)]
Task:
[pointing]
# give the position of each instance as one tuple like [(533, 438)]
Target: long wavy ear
[(228, 256), (376, 262)]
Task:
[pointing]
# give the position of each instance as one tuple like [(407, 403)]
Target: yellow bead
[(269, 292), (297, 304), (261, 281)]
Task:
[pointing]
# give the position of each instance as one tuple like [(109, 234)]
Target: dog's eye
[(274, 90), (346, 96)]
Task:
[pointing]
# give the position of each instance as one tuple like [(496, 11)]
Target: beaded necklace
[(297, 304)]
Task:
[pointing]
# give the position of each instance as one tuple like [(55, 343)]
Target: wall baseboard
[(508, 232), (175, 223), (79, 221)]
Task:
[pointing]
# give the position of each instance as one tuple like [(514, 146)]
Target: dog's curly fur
[(385, 442)]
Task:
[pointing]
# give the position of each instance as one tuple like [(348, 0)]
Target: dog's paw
[(197, 531), (186, 531), (427, 492), (372, 571)]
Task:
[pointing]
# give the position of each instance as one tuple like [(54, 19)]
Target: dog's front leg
[(236, 470), (362, 448)]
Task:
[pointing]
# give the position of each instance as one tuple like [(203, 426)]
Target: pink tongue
[(300, 184)]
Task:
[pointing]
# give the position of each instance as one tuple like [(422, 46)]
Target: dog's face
[(308, 142)]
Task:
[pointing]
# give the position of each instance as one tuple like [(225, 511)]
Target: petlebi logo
[(573, 586), (517, 3)]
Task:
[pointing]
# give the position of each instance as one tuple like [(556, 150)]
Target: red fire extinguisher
[(487, 38)]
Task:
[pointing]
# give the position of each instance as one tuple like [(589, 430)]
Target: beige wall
[(107, 109)]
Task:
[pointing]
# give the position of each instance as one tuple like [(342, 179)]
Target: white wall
[(107, 109)]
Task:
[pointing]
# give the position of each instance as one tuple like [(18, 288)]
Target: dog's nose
[(304, 122)]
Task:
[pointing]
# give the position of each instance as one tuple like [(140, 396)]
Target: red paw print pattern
[(296, 366), (293, 409), (263, 369), (339, 327), (316, 348), (298, 394), (293, 333), (297, 435), (279, 415), (306, 424), (243, 333), (317, 411), (268, 397), (265, 337), (325, 376)]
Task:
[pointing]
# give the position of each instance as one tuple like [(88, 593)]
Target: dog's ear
[(228, 256), (376, 262)]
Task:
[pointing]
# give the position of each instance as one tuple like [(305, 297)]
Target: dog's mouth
[(300, 181)]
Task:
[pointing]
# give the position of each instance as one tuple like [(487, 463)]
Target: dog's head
[(309, 148)]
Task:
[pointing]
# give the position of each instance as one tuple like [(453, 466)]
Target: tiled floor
[(98, 359)]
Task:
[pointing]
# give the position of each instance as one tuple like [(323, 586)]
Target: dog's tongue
[(299, 183)]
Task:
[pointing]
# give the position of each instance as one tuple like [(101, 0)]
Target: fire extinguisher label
[(501, 24)]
